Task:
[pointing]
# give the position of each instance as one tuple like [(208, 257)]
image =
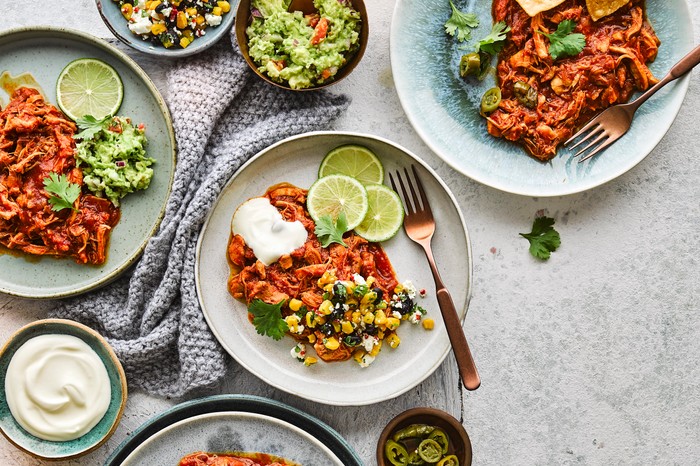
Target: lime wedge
[(384, 215), (334, 194), (355, 161), (88, 86)]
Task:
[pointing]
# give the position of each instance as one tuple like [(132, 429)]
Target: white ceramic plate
[(44, 52), (296, 160), (231, 432), (443, 108)]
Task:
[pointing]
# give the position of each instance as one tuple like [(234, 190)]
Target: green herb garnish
[(329, 231), (562, 43), (90, 126), (64, 192), (494, 42), (460, 23), (543, 238), (267, 318)]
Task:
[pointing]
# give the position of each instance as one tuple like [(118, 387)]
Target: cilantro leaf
[(494, 42), (543, 238), (331, 232), (90, 126), (562, 43), (64, 192), (460, 23), (267, 318)]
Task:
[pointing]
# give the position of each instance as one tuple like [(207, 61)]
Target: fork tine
[(404, 193), (602, 137), (423, 197), (588, 126), (416, 202), (598, 149), (593, 132)]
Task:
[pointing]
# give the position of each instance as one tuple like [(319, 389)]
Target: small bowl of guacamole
[(299, 51)]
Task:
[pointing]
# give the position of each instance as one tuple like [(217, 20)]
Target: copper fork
[(420, 227), (611, 124)]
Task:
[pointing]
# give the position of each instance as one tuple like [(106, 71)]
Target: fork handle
[(685, 64), (460, 347)]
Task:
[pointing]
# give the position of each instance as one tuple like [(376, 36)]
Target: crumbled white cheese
[(359, 279), (396, 314), (409, 289), (140, 25), (366, 360), (212, 20), (415, 317), (369, 342), (298, 351)]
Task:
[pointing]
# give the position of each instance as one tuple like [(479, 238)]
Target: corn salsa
[(172, 23)]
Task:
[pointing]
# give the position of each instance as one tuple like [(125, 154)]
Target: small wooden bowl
[(243, 20), (460, 445), (104, 429)]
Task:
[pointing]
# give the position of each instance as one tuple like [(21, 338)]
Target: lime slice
[(88, 86), (334, 194), (355, 161), (384, 216)]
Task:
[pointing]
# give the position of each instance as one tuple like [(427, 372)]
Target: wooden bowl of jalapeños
[(421, 434)]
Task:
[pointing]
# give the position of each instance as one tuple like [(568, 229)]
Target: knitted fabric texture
[(222, 114)]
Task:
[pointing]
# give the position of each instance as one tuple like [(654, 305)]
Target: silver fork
[(420, 227), (612, 123)]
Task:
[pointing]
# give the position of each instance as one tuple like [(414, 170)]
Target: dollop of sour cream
[(265, 231), (57, 387)]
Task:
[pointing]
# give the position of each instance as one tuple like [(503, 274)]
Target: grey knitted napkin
[(222, 114)]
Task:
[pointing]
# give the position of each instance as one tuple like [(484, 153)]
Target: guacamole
[(113, 158), (302, 51)]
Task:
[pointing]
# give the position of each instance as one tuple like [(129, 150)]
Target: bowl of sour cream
[(62, 389)]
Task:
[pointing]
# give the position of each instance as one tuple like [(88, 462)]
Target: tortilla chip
[(532, 7), (600, 8)]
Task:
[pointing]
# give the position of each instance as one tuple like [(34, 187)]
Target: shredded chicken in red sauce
[(611, 67), (295, 275), (35, 140), (212, 459)]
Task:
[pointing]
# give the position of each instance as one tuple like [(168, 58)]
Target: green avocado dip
[(113, 158), (302, 51)]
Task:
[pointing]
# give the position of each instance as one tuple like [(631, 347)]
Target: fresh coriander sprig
[(267, 318), (90, 126), (64, 192), (495, 40), (329, 232), (543, 238), (564, 42), (460, 23)]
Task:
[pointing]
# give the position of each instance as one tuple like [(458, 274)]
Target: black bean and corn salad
[(355, 315), (172, 23)]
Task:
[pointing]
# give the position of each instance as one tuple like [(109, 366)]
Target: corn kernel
[(295, 304), (393, 340), (327, 277), (199, 19), (158, 29), (376, 349), (331, 343), (428, 324), (392, 323), (312, 338), (356, 317), (368, 318), (370, 281), (151, 5), (309, 360), (310, 320), (181, 22), (380, 334), (336, 327), (328, 287), (225, 6), (358, 355), (192, 12), (321, 320), (184, 42), (379, 318), (127, 10), (347, 327), (326, 307), (216, 11)]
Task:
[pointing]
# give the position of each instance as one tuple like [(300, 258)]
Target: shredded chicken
[(296, 275), (35, 140), (571, 90), (212, 459)]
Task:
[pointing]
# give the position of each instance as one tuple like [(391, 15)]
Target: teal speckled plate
[(443, 108), (98, 434), (44, 52)]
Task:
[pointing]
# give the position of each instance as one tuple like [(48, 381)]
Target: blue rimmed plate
[(443, 108), (234, 423), (44, 52), (97, 435)]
